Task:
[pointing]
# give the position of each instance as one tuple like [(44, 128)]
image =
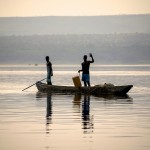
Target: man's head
[(47, 58), (85, 57)]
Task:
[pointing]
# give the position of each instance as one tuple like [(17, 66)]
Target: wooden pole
[(32, 85)]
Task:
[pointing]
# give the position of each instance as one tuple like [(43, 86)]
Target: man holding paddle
[(49, 70), (85, 69), (49, 73)]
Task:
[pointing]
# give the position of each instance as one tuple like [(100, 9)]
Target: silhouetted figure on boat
[(49, 70), (85, 69)]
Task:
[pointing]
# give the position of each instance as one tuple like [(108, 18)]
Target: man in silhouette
[(49, 70), (85, 70)]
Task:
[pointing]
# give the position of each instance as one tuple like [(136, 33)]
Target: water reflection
[(77, 102), (48, 112), (82, 106), (116, 99), (84, 101), (87, 119), (48, 108)]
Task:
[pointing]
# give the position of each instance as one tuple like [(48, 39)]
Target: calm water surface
[(31, 120)]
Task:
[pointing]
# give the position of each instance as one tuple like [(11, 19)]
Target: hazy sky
[(72, 7)]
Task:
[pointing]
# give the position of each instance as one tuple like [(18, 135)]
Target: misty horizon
[(74, 25), (123, 39), (69, 49)]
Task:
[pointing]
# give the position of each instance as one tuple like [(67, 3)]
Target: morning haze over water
[(123, 39)]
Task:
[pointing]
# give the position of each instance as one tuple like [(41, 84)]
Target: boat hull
[(95, 90)]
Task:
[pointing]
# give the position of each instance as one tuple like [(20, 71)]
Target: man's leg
[(49, 83), (49, 79), (84, 79), (88, 82), (85, 83), (88, 79)]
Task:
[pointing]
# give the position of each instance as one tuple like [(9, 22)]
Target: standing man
[(49, 70), (85, 69)]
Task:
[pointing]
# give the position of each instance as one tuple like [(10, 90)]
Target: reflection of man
[(87, 122), (85, 110), (85, 70), (49, 70), (48, 112), (49, 106)]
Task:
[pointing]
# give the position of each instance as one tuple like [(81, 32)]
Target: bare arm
[(51, 71), (81, 69), (92, 58)]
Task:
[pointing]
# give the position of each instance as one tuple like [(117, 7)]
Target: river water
[(31, 120)]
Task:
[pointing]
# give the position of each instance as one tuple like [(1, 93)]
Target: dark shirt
[(49, 67), (85, 67)]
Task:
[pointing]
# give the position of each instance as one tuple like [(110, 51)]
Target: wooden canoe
[(95, 90)]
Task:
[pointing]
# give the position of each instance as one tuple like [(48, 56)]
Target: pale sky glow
[(72, 7)]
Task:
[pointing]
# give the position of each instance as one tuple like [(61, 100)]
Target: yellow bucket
[(76, 81)]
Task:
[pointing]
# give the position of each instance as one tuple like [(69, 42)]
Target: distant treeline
[(62, 49)]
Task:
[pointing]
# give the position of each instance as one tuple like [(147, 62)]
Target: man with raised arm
[(85, 69)]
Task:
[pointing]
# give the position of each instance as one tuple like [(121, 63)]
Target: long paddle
[(33, 84)]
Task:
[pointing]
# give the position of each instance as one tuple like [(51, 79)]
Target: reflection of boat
[(81, 106), (40, 95), (97, 90), (113, 97), (77, 96)]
